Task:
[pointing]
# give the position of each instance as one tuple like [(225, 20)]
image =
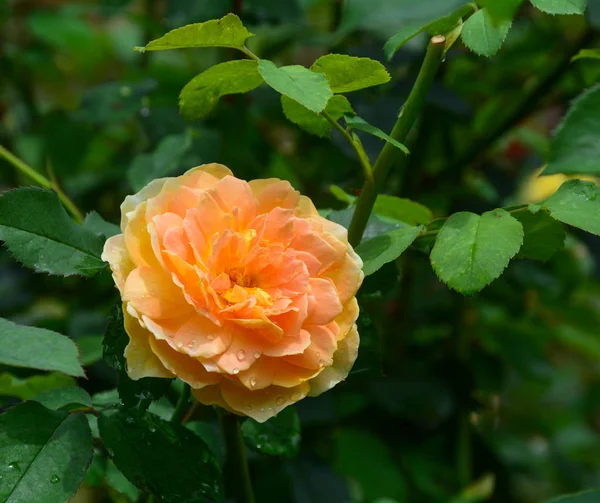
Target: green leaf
[(96, 224), (134, 394), (117, 481), (201, 94), (29, 387), (403, 210), (471, 251), (439, 26), (503, 10), (575, 147), (90, 349), (37, 230), (587, 54), (386, 247), (341, 195), (481, 36), (349, 73), (308, 88), (543, 236), (585, 342), (44, 454), (356, 122), (163, 458), (38, 348), (560, 6), (311, 122), (279, 436), (575, 203), (59, 398), (162, 162), (584, 497), (225, 32)]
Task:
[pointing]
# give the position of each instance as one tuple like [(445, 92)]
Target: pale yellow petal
[(343, 359), (141, 360)]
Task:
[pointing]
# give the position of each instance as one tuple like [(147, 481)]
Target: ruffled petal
[(323, 302)]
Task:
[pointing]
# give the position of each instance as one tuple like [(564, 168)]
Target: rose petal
[(115, 253), (348, 277), (183, 366), (343, 359), (141, 360), (261, 404), (153, 293), (272, 193), (323, 344), (323, 302)]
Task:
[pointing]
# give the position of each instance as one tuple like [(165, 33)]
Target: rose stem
[(237, 474), (182, 404), (41, 180), (389, 153)]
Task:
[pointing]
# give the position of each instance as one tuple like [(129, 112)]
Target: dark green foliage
[(44, 454), (279, 436), (165, 459)]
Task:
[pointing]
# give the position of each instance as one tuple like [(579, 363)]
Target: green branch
[(41, 180), (182, 404), (389, 154)]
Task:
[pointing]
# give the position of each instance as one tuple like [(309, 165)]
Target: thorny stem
[(389, 154), (236, 469), (43, 181)]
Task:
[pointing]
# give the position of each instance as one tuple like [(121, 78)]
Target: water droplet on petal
[(262, 409), (55, 479), (192, 343), (280, 401), (252, 382), (321, 362), (241, 354), (236, 370), (318, 354), (256, 354), (211, 337), (179, 344)]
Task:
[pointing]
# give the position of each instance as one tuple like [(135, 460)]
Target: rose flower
[(240, 289)]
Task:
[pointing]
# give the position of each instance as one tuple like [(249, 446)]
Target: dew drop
[(318, 354), (280, 400), (55, 479), (241, 354), (211, 337), (236, 370), (179, 344), (321, 362), (111, 453), (256, 354), (192, 343), (14, 465), (252, 382)]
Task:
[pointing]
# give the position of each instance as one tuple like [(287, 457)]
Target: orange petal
[(272, 193), (132, 202), (205, 176), (183, 366), (261, 404), (153, 293), (245, 348), (289, 345), (201, 338), (343, 359), (236, 197), (211, 395), (267, 371), (323, 343), (137, 239), (141, 360), (323, 302)]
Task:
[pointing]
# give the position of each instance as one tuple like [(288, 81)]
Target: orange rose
[(238, 288)]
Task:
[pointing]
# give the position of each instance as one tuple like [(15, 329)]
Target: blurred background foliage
[(499, 392)]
